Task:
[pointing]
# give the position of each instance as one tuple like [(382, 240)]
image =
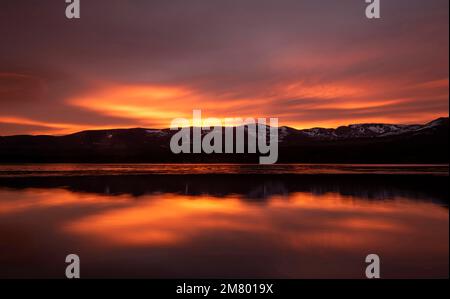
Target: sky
[(142, 63)]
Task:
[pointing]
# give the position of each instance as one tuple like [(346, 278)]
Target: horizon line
[(234, 126)]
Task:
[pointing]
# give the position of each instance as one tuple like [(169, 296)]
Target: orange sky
[(144, 64)]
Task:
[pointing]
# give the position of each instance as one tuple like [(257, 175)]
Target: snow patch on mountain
[(156, 132), (370, 130)]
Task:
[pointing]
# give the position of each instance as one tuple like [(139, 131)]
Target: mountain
[(370, 130), (359, 143)]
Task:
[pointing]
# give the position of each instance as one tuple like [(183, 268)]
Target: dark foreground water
[(224, 221)]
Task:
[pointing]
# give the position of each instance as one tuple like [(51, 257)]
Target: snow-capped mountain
[(369, 130), (359, 143)]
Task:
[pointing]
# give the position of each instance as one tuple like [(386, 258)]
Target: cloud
[(308, 63)]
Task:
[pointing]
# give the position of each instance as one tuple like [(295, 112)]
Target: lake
[(224, 221)]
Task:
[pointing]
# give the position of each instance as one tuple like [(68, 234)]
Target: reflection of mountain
[(365, 143), (248, 186)]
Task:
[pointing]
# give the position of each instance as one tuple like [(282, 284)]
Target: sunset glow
[(156, 64), (191, 144)]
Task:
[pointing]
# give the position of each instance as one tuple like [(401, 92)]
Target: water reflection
[(216, 227), (32, 170), (248, 186)]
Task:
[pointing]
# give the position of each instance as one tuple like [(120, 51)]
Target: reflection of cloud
[(173, 236), (35, 199), (303, 221), (165, 221)]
